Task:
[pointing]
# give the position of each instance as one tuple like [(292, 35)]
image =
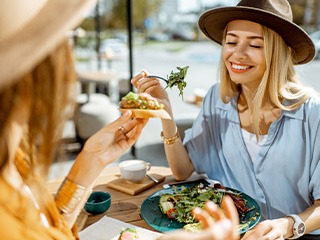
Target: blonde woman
[(259, 128)]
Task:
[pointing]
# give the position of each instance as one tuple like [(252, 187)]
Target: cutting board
[(135, 188)]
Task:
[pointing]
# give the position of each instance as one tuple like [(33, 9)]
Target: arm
[(104, 147), (176, 153), (283, 227)]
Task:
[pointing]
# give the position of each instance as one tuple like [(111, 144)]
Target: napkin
[(109, 229)]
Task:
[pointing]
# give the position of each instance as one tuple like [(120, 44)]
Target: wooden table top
[(124, 207)]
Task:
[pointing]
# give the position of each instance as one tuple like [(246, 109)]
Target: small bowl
[(98, 202)]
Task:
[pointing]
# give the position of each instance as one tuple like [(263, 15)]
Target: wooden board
[(134, 188)]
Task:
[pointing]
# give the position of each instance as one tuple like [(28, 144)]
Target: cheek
[(226, 53)]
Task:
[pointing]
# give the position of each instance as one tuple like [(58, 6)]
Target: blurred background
[(119, 38)]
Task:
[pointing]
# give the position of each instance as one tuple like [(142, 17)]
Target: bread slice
[(147, 113)]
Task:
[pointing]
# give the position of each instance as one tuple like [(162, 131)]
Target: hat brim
[(20, 52), (213, 22)]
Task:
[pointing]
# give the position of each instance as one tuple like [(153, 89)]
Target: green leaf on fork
[(175, 79)]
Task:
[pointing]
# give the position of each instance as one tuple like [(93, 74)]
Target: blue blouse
[(285, 177)]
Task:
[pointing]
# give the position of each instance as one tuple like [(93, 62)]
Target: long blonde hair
[(278, 83), (49, 88)]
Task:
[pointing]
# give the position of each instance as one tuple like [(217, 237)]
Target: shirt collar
[(232, 113)]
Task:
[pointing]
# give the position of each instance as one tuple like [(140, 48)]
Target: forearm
[(72, 216), (82, 177), (176, 153), (311, 218)]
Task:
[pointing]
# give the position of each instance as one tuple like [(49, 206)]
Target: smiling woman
[(246, 133)]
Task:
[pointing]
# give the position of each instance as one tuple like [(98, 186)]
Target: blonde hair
[(278, 83), (48, 87)]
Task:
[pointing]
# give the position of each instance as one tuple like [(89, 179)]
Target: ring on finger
[(123, 130)]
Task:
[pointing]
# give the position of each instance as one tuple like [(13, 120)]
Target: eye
[(256, 46), (231, 43)]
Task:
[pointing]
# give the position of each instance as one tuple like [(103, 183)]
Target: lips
[(240, 68)]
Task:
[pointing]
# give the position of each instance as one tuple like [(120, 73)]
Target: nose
[(240, 51)]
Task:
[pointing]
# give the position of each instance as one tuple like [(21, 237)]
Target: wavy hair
[(49, 89), (279, 82)]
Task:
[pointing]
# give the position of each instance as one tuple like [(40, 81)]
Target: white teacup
[(134, 170)]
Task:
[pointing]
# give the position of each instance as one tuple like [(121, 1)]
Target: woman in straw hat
[(258, 128), (36, 83)]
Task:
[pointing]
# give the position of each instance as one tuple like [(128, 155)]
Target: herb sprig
[(175, 79)]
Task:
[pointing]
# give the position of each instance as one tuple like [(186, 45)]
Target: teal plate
[(151, 213)]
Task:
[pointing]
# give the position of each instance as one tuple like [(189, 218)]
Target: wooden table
[(124, 207)]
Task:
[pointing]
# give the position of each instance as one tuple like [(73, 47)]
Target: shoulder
[(312, 109), (312, 105)]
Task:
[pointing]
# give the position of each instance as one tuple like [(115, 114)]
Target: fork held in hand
[(161, 78)]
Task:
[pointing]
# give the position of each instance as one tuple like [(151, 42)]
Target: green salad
[(178, 206)]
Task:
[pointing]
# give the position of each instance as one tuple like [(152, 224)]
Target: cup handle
[(148, 166)]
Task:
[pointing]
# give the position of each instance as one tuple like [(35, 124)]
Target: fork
[(161, 78)]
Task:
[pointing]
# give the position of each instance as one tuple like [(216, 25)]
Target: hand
[(153, 87), (104, 147), (268, 229), (110, 142), (223, 227)]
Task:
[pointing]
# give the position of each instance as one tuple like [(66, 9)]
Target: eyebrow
[(251, 37)]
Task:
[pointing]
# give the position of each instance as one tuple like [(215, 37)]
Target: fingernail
[(127, 113)]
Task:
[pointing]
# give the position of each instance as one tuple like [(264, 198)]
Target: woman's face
[(243, 53)]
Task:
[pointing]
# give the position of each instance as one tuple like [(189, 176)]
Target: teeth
[(239, 67)]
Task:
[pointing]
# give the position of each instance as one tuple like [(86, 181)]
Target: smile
[(239, 68)]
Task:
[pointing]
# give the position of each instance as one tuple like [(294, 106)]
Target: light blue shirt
[(285, 177)]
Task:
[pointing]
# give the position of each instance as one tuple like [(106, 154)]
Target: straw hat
[(30, 29), (274, 14)]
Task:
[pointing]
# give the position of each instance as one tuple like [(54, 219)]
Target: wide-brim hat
[(30, 29), (274, 14)]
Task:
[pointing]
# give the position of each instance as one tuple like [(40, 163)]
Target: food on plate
[(178, 206), (143, 106), (193, 227), (129, 234)]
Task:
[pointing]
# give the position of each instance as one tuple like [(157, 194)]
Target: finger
[(273, 234), (214, 210), (147, 96), (222, 230), (145, 83), (203, 216), (132, 136), (130, 125), (124, 118), (135, 79), (231, 213), (135, 127), (230, 209), (144, 73), (261, 229)]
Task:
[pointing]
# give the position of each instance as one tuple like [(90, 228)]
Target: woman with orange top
[(37, 82)]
